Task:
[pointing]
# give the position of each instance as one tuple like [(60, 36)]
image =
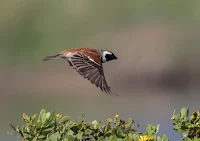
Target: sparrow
[(88, 62)]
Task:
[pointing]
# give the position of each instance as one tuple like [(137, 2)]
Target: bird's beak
[(114, 57)]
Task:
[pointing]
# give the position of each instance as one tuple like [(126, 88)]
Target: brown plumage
[(86, 51), (88, 63)]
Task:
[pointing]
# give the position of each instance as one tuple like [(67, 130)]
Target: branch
[(20, 132)]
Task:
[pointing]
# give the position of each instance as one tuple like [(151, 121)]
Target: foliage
[(189, 128), (49, 126)]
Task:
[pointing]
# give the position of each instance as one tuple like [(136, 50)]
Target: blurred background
[(157, 71)]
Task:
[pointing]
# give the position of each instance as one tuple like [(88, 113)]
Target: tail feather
[(51, 57)]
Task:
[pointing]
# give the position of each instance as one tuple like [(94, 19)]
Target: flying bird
[(88, 62)]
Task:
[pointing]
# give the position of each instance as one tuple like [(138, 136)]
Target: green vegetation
[(49, 126), (189, 128)]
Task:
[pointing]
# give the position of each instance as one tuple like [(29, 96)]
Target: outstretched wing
[(89, 69)]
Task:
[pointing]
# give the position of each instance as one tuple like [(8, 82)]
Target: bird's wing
[(90, 69)]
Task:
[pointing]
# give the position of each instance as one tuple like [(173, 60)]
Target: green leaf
[(184, 128), (58, 135), (101, 138), (64, 119), (35, 139), (70, 138), (17, 128), (88, 131), (26, 118), (41, 137), (151, 130), (95, 124), (177, 117), (79, 136), (69, 124), (70, 132), (54, 137), (114, 138), (197, 118), (42, 111), (43, 116), (162, 138), (135, 137), (157, 128), (187, 139), (184, 113), (65, 139), (52, 116), (129, 122), (48, 115), (23, 129), (92, 138), (48, 129), (126, 138), (33, 117), (119, 132), (196, 139), (77, 127), (107, 134)]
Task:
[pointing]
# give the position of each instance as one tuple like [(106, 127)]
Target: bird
[(88, 62)]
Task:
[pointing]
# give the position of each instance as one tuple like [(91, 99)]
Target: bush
[(48, 126), (189, 128)]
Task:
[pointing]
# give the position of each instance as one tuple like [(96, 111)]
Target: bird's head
[(107, 56)]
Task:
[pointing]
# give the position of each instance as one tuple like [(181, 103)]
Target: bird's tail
[(51, 57)]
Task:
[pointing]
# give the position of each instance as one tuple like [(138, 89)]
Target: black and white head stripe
[(107, 56), (104, 54)]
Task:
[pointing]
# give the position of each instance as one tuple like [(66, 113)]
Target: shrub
[(48, 126), (189, 128)]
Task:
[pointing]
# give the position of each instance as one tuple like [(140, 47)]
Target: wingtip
[(115, 94), (111, 93)]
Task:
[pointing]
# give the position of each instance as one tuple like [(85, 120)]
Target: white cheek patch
[(104, 59), (104, 54)]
